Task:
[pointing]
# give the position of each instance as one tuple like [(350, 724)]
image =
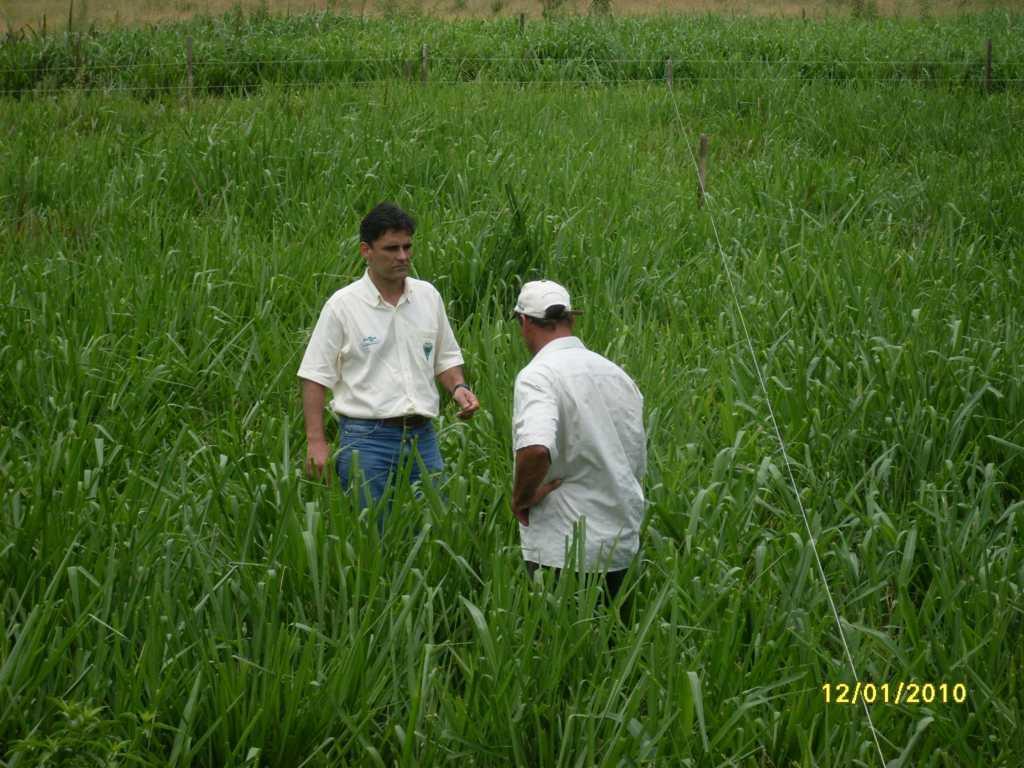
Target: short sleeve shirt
[(588, 413), (380, 360)]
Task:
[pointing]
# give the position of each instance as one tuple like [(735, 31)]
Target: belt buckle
[(408, 421), (413, 420)]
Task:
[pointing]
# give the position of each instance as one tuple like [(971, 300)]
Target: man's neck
[(391, 292), (547, 338)]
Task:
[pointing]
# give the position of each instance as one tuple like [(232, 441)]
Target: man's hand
[(317, 452), (455, 385), (523, 513), (467, 402), (317, 458)]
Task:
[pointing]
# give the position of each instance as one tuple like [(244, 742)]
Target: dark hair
[(385, 217), (554, 316)]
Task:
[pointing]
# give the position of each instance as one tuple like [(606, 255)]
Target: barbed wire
[(179, 63), (528, 58), (200, 88)]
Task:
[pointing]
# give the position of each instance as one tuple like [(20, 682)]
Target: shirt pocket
[(424, 349)]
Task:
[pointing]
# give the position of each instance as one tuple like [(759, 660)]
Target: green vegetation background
[(173, 592)]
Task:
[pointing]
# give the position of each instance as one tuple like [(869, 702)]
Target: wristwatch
[(461, 384)]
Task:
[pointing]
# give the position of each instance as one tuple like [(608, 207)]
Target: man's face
[(389, 256)]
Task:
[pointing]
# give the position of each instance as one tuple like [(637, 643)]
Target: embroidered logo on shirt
[(428, 347), (367, 342)]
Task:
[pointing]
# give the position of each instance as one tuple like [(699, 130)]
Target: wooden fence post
[(702, 169), (522, 23), (189, 80), (668, 73), (424, 63), (988, 65)]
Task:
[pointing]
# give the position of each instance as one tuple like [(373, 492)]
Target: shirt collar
[(565, 342), (372, 296)]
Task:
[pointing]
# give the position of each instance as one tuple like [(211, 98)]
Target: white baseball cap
[(544, 300)]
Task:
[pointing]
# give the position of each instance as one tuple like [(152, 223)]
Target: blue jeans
[(381, 451)]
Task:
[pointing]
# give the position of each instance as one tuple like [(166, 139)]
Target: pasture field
[(174, 592)]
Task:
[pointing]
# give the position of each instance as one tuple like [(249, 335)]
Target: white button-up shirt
[(589, 415), (380, 360)]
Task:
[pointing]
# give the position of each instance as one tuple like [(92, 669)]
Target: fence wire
[(528, 58), (199, 89)]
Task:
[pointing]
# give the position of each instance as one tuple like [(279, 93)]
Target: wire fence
[(198, 76), (682, 62), (256, 85)]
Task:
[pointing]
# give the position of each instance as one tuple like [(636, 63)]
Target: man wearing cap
[(580, 447), (379, 345)]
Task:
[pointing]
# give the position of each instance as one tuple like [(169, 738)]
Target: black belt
[(410, 421)]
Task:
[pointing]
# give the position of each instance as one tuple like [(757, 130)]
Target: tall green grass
[(173, 592)]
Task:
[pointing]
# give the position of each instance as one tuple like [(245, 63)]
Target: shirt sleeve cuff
[(448, 361), (320, 378), (537, 438)]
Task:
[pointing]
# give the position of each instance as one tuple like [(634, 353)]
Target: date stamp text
[(894, 693)]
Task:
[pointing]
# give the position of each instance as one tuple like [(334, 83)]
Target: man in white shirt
[(580, 447), (378, 346)]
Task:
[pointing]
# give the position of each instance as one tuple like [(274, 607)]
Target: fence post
[(522, 23), (44, 26), (702, 169), (71, 15), (988, 65), (188, 65), (424, 63), (668, 73)]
